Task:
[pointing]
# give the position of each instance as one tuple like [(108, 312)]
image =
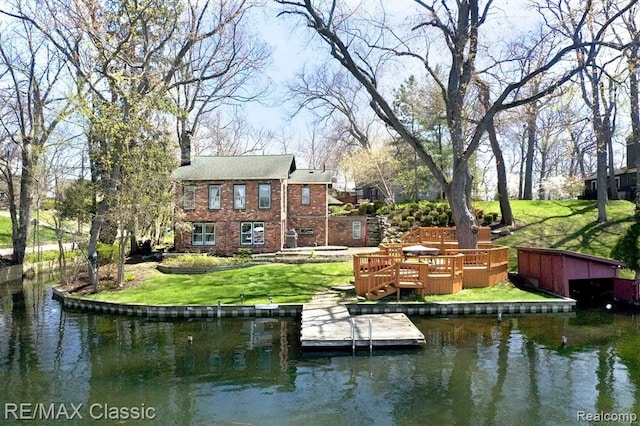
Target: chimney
[(185, 148)]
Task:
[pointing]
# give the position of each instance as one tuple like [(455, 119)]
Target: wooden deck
[(388, 271), (333, 327)]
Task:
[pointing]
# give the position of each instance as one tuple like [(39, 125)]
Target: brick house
[(250, 202)]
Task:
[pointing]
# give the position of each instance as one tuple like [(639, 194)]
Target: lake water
[(80, 367)]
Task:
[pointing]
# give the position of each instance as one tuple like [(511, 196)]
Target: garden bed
[(168, 269)]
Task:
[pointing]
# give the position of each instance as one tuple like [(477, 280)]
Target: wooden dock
[(333, 327)]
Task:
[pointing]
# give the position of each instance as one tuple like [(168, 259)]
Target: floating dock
[(333, 327)]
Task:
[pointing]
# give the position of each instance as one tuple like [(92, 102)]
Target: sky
[(292, 50)]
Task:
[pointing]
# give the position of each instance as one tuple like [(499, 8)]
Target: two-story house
[(250, 202)]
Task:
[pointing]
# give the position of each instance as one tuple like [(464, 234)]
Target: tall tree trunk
[(607, 133), (503, 192), (27, 184), (601, 149), (544, 155), (532, 130), (633, 146), (466, 227)]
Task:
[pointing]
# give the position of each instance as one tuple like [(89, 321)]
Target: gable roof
[(616, 172), (250, 167), (311, 176)]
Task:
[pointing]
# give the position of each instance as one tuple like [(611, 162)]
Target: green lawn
[(46, 233), (506, 292), (283, 282), (567, 225)]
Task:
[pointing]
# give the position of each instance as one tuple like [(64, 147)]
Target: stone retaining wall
[(170, 311), (16, 272), (294, 310), (465, 308)]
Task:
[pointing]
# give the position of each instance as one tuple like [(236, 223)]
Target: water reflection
[(471, 370)]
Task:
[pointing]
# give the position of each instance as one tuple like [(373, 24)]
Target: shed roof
[(237, 168), (574, 254)]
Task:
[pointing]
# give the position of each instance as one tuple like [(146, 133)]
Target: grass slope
[(567, 225), (46, 232), (285, 283)]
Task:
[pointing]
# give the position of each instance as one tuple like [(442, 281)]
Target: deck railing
[(379, 275), (443, 238), (484, 267)]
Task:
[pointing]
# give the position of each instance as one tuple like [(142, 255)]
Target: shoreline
[(68, 301)]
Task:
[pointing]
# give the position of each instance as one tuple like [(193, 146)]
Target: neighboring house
[(250, 202), (625, 180)]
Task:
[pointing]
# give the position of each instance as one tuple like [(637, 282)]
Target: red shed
[(557, 271)]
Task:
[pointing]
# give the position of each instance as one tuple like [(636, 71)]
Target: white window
[(239, 196), (594, 185), (356, 230), (203, 234), (306, 195), (264, 196), (252, 233), (617, 183), (189, 197), (214, 197)]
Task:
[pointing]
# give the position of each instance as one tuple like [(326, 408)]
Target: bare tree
[(126, 58), (361, 45), (33, 103), (218, 134), (219, 71)]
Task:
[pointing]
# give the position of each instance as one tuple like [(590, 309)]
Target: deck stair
[(381, 283)]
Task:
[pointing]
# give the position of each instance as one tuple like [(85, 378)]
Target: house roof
[(616, 172), (237, 168), (333, 201), (311, 176)]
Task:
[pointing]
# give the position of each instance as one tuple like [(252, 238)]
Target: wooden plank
[(332, 327)]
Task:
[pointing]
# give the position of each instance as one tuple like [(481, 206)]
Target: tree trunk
[(466, 227), (27, 184), (532, 130), (503, 192), (601, 149), (633, 146)]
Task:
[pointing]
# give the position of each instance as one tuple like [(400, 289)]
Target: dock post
[(370, 336), (219, 310), (353, 335)]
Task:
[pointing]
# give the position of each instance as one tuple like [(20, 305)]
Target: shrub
[(427, 220), (411, 219), (385, 210), (242, 255), (107, 253), (194, 260), (366, 208), (487, 219), (348, 207)]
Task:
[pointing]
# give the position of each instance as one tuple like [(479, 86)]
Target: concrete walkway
[(30, 248)]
